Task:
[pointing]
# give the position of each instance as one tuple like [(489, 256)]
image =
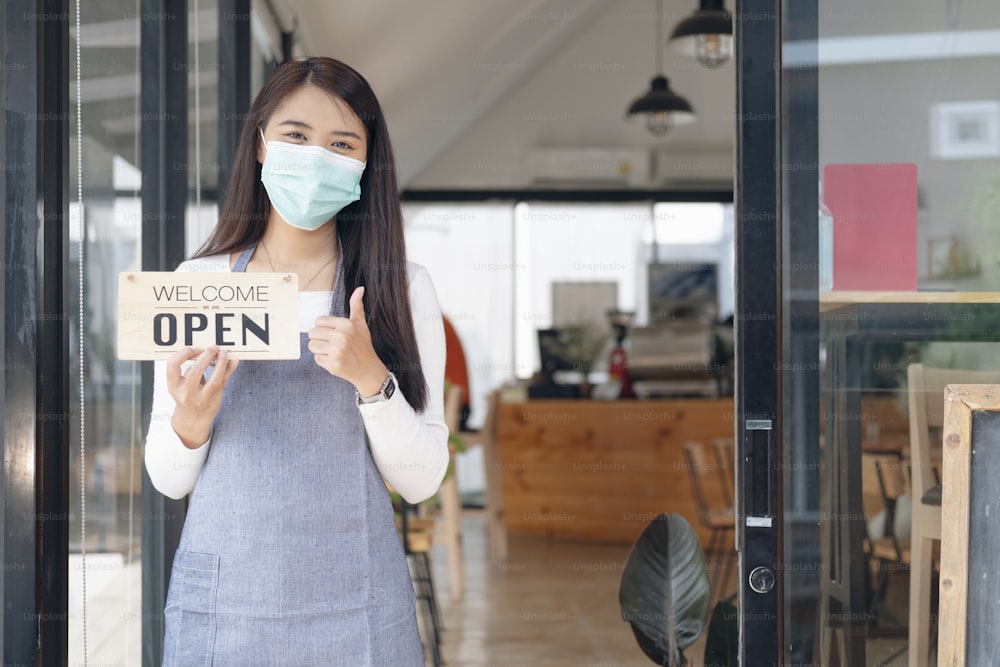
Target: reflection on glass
[(900, 102), (111, 466), (112, 458)]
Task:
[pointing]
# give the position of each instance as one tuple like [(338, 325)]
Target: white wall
[(468, 251), (871, 113)]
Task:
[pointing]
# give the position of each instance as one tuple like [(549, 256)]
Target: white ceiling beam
[(124, 33), (892, 48), (129, 125), (126, 86), (287, 19)]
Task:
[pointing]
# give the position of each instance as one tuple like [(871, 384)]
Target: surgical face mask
[(308, 185)]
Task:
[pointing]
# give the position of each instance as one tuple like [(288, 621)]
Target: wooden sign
[(970, 538), (253, 315)]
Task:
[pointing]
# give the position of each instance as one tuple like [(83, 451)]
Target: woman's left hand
[(343, 346)]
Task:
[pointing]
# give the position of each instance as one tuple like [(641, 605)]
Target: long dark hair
[(370, 230)]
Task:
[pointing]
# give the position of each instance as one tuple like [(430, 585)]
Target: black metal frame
[(615, 196), (759, 321), (234, 83), (800, 349), (35, 256), (164, 198), (34, 395), (799, 183), (52, 360)]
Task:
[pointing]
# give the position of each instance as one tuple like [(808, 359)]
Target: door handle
[(757, 473)]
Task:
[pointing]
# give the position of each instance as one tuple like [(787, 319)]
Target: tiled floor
[(114, 611), (551, 604), (555, 604)]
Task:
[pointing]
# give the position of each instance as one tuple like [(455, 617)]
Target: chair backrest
[(694, 454), (883, 481), (453, 407), (872, 500), (893, 477), (925, 386), (887, 475), (725, 460), (488, 430), (487, 436), (489, 427)]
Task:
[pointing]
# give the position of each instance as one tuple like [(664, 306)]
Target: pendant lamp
[(706, 35), (662, 107)]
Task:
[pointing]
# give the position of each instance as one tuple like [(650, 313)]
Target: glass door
[(886, 262)]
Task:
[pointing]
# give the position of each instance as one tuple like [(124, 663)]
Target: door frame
[(777, 324)]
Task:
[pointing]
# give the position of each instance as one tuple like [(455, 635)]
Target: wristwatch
[(384, 394)]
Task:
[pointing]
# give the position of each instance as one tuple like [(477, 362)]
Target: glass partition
[(105, 485), (894, 268), (105, 481)]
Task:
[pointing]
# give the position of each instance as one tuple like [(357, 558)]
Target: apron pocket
[(199, 581)]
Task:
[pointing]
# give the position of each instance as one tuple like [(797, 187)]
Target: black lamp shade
[(662, 107), (707, 34), (661, 99), (705, 21)]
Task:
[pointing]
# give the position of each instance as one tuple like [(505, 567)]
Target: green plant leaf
[(458, 442), (664, 592), (722, 646)]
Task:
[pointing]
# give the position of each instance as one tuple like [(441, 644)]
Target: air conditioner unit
[(690, 165), (608, 167)]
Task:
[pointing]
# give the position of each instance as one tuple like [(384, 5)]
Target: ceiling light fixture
[(706, 35), (662, 107)]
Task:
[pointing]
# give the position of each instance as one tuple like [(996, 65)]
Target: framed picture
[(940, 249), (965, 130), (583, 303), (682, 290)]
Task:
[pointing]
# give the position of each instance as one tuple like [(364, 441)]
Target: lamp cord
[(659, 37)]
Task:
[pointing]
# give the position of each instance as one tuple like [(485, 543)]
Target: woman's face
[(311, 117)]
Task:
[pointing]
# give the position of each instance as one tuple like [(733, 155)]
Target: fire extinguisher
[(618, 364)]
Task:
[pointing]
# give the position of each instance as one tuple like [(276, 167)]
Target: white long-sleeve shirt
[(409, 449)]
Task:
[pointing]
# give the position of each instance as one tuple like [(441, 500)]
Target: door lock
[(762, 580)]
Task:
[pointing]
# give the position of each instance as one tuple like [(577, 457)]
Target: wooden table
[(600, 471)]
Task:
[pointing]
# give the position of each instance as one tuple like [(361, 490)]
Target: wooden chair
[(486, 437), (417, 536), (926, 401), (719, 519), (451, 501), (725, 460), (883, 478)]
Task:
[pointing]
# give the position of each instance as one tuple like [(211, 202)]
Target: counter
[(600, 471)]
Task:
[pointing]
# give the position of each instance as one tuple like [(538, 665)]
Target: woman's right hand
[(197, 400)]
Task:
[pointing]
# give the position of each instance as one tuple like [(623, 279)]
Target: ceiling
[(455, 78), (472, 87), (497, 79)]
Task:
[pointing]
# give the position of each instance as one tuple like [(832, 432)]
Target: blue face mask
[(308, 185)]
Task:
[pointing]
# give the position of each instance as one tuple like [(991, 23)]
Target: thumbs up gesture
[(343, 346)]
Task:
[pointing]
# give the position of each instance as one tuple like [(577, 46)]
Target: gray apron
[(289, 553)]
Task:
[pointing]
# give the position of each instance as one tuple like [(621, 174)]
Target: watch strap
[(384, 393)]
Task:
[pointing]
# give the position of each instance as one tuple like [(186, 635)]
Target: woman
[(289, 553)]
